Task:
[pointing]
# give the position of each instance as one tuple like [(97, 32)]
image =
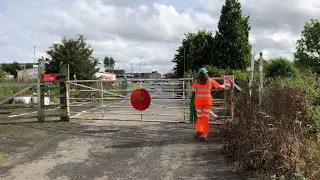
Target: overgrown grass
[(280, 139)]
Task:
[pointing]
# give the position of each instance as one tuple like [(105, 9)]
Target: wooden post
[(64, 114), (40, 91)]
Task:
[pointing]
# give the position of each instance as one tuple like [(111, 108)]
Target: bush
[(280, 138), (281, 67)]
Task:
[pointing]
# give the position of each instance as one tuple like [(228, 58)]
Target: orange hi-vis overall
[(203, 104)]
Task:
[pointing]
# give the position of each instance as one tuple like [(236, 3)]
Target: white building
[(105, 76)]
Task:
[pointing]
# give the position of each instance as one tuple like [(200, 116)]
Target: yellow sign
[(41, 61)]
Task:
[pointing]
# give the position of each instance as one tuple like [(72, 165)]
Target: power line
[(37, 10)]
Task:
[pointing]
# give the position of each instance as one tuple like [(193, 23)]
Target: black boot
[(197, 135), (203, 138)]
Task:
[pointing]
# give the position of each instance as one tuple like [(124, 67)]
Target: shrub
[(280, 138), (281, 67)]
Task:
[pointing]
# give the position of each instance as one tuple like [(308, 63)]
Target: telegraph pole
[(34, 54), (184, 61), (140, 68)]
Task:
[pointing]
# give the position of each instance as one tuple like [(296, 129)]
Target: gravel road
[(109, 150)]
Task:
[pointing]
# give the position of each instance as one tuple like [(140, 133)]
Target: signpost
[(49, 77)]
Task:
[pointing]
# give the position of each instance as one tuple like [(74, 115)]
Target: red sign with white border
[(49, 78)]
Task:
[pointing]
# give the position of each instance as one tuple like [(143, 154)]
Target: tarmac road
[(110, 150)]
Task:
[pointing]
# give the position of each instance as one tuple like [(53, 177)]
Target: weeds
[(280, 138)]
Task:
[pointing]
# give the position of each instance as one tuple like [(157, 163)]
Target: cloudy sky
[(152, 29)]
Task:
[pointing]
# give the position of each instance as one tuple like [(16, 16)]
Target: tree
[(181, 56), (281, 67), (307, 53), (201, 50), (11, 68), (75, 52), (109, 63), (232, 46), (28, 66), (196, 51)]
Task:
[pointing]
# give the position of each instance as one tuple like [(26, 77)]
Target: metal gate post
[(184, 94), (102, 96)]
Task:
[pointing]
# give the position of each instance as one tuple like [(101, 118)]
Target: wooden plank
[(237, 87), (19, 117), (17, 105), (11, 110), (52, 106), (52, 115), (17, 84), (16, 94)]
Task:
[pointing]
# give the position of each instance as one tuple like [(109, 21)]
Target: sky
[(152, 29)]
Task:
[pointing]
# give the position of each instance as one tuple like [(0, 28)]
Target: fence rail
[(169, 99)]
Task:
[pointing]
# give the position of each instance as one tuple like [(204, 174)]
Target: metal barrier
[(110, 100)]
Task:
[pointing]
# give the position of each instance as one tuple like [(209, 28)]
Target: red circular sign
[(140, 99)]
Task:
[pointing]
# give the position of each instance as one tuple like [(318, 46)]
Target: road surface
[(109, 150)]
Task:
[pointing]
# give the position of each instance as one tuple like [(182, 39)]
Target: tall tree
[(109, 64), (232, 46), (196, 51), (12, 68), (307, 53), (75, 52), (181, 59), (201, 50)]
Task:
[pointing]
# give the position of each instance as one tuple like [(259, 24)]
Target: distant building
[(105, 76), (155, 75), (152, 75), (168, 76)]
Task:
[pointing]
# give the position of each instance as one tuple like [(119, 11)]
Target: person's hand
[(222, 86)]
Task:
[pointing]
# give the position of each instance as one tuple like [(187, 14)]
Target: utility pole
[(131, 71), (140, 68), (34, 54), (184, 61), (260, 79)]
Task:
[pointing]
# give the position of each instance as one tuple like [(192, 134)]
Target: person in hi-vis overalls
[(203, 102)]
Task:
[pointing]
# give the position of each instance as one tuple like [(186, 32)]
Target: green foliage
[(240, 74), (229, 48), (214, 71), (12, 68), (201, 50), (307, 53), (195, 52), (108, 63), (281, 67), (75, 52), (28, 66), (232, 46)]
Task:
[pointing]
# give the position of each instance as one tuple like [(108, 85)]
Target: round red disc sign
[(140, 99)]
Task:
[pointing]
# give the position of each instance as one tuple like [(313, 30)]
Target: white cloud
[(129, 29)]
